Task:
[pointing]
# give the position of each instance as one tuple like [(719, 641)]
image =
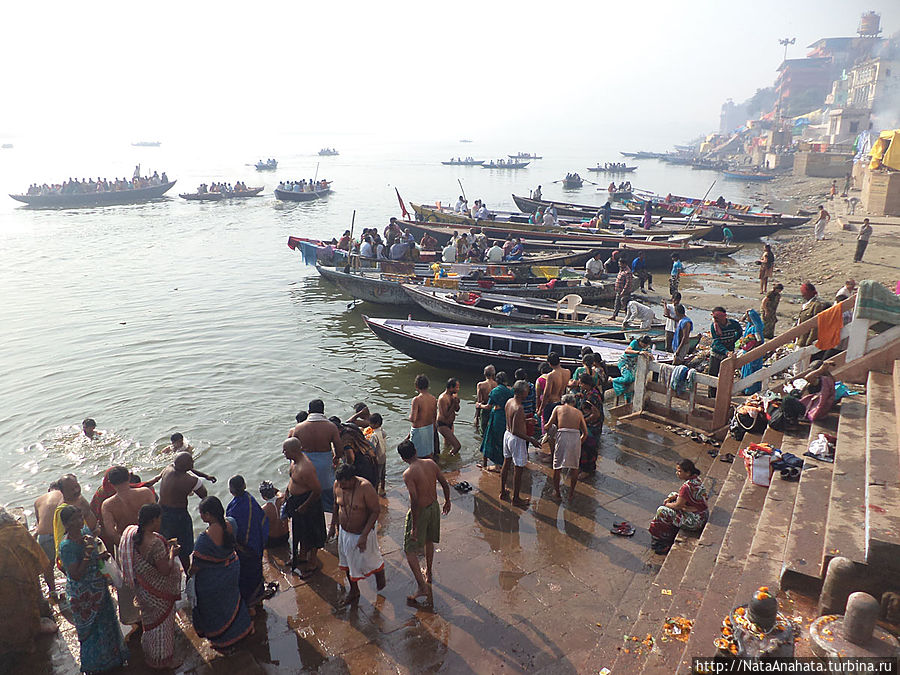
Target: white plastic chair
[(568, 305)]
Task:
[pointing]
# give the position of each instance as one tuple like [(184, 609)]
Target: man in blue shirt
[(681, 340), (677, 270), (639, 269), (605, 213), (725, 333)]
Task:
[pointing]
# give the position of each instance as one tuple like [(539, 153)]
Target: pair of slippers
[(623, 529), (271, 588), (463, 487), (728, 458), (792, 474)]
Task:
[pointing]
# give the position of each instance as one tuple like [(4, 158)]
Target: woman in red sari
[(150, 565), (686, 509)]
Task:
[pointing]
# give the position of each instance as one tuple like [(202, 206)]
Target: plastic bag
[(110, 569)]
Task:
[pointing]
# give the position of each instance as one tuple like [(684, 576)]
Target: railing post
[(856, 340), (641, 371), (723, 392)]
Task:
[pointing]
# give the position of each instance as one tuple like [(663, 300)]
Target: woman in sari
[(589, 400), (627, 364), (251, 533), (769, 310), (492, 438), (149, 565), (220, 614), (93, 610), (753, 337), (686, 509)]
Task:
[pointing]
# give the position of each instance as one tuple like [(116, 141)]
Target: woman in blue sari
[(624, 383), (220, 614), (251, 532), (492, 436), (93, 611), (753, 337)]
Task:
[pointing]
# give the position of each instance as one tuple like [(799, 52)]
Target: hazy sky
[(506, 69)]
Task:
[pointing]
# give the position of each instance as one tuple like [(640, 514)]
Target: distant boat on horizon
[(7, 146), (147, 144), (465, 140)]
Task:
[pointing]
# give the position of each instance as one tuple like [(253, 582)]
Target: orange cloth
[(830, 322)]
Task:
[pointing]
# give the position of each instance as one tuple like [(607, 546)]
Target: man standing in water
[(175, 486), (448, 406), (422, 417), (423, 520), (120, 511), (557, 381), (515, 443), (320, 441), (482, 391), (354, 519), (303, 506)]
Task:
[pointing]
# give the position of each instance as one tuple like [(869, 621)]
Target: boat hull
[(291, 196), (751, 177), (599, 169), (219, 196), (120, 197), (368, 289)]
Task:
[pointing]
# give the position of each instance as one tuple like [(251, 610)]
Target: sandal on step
[(728, 458), (624, 529)]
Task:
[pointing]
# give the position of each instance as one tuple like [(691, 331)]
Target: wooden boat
[(484, 309), (219, 196), (566, 209), (328, 152), (7, 146), (374, 286), (266, 166), (291, 196), (571, 182), (64, 201), (147, 144), (317, 251), (603, 169), (452, 346), (464, 162), (567, 259), (643, 155), (748, 176), (524, 155), (506, 165), (710, 211)]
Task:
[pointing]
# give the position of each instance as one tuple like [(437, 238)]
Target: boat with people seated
[(147, 144), (328, 152), (468, 161), (267, 165), (572, 181), (209, 196), (525, 155), (504, 164), (66, 200), (303, 195), (749, 175), (455, 346), (612, 167)]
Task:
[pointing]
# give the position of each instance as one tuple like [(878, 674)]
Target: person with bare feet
[(118, 512), (492, 432), (423, 520), (515, 443), (422, 417), (571, 432), (448, 406), (354, 519), (321, 443), (176, 484), (44, 508), (482, 391), (557, 381), (303, 506)]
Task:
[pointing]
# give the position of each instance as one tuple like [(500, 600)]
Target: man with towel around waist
[(175, 486), (355, 517), (321, 442), (422, 417), (571, 433), (515, 443), (303, 506)]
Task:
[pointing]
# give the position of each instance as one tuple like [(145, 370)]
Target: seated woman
[(819, 394), (686, 509), (627, 364), (220, 613)]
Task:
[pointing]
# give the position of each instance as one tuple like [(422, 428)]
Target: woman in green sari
[(492, 438)]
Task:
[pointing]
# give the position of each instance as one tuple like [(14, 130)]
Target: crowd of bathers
[(90, 185)]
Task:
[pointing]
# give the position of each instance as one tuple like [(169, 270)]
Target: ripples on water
[(177, 316)]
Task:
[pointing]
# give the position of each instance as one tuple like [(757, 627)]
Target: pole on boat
[(350, 254), (691, 219), (458, 180)]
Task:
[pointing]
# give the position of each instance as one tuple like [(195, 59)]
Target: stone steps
[(882, 514)]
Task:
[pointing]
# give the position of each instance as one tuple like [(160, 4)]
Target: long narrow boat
[(291, 196), (464, 162), (747, 176), (386, 289), (452, 346), (621, 169), (505, 165), (710, 210), (219, 196), (490, 309), (572, 183), (567, 259), (64, 201), (524, 155)]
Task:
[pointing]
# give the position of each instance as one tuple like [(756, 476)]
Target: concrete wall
[(881, 193), (822, 164)]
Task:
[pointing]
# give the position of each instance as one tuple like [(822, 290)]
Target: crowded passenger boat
[(90, 185), (267, 165)]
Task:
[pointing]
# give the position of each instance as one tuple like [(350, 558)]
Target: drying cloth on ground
[(682, 379), (875, 302), (423, 439), (830, 322)]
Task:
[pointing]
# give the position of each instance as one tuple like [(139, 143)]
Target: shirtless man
[(178, 444), (71, 491), (515, 443), (303, 506), (482, 391), (448, 406), (44, 508), (320, 440), (571, 433), (89, 427), (357, 511), (278, 529), (423, 520), (118, 512), (176, 484), (422, 417), (557, 381)]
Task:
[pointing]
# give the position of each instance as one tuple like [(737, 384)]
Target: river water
[(179, 316)]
